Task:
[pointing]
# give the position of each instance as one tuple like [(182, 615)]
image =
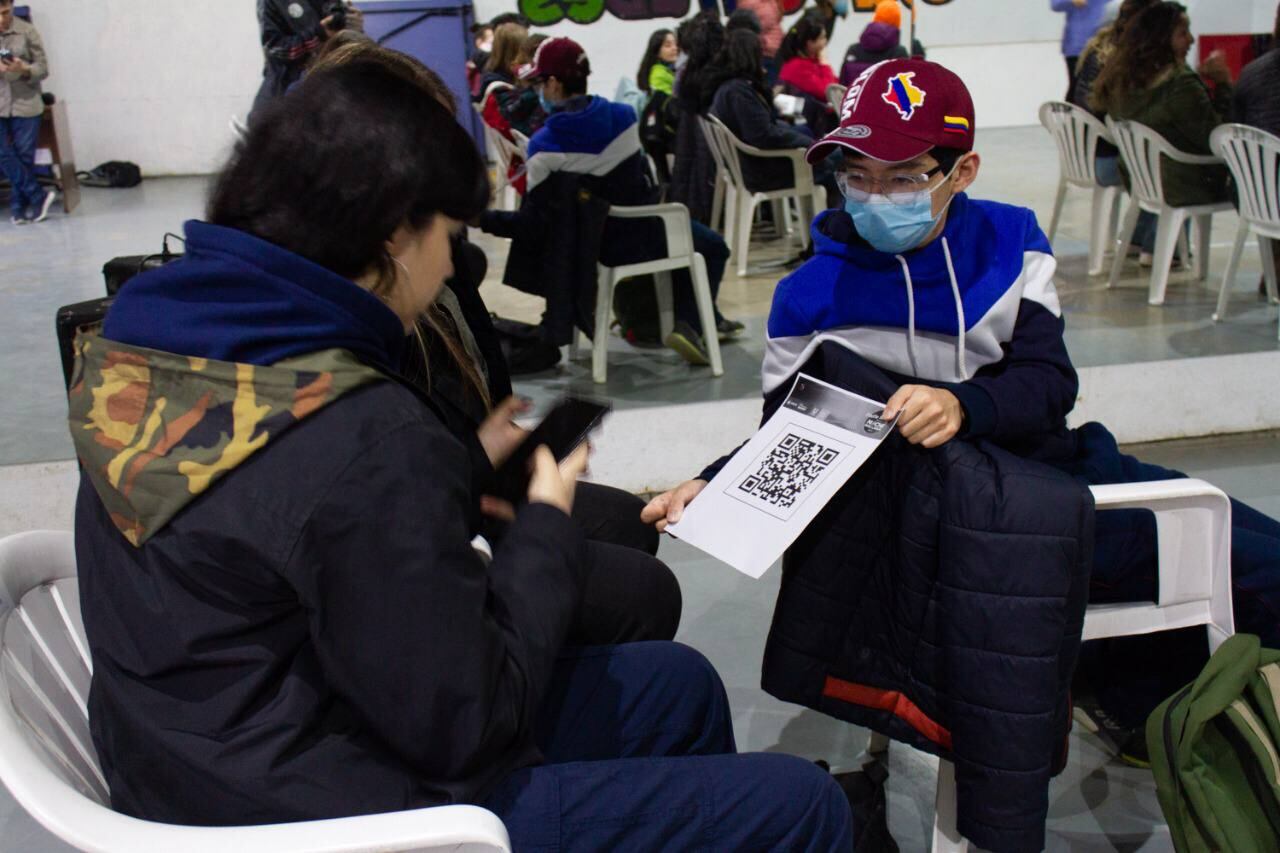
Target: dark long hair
[(701, 43), (651, 57), (739, 59), (1145, 51), (810, 26)]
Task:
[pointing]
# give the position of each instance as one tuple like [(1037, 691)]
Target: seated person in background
[(500, 68), (657, 74), (954, 298), (456, 360), (589, 136), (881, 40), (1147, 80), (660, 118), (481, 44), (734, 91), (518, 108), (805, 71), (1257, 102), (286, 617), (693, 178)]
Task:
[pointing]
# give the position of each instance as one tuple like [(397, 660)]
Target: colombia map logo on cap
[(899, 109)]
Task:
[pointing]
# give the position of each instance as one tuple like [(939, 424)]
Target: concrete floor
[(1096, 805)]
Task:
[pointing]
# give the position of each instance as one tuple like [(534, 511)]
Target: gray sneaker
[(49, 198), (19, 220)]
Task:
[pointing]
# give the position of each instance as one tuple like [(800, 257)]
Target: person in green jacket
[(657, 68), (1147, 80)]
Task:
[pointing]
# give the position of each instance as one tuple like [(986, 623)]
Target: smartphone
[(562, 430), (5, 54)]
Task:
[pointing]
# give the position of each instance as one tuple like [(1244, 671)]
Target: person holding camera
[(22, 67), (292, 31)]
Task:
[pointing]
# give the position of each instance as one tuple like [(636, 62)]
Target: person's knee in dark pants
[(627, 596)]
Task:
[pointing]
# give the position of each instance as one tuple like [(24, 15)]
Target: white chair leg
[(706, 312), (604, 311), (1099, 232), (1204, 231), (666, 310), (746, 211), (1229, 277), (717, 202), (730, 216), (1167, 232), (946, 838), (1058, 201), (1127, 228)]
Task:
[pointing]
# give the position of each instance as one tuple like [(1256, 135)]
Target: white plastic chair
[(835, 97), (48, 762), (1253, 156), (802, 190), (680, 255), (503, 151), (1141, 149), (723, 182), (1193, 531), (1077, 133)]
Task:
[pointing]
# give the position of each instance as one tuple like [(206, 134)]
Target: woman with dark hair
[(694, 175), (1100, 49), (287, 618), (738, 94), (658, 67), (805, 71), (1147, 80)]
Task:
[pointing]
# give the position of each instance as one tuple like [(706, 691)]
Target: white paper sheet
[(767, 494)]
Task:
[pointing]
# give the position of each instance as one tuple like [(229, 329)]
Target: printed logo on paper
[(903, 95)]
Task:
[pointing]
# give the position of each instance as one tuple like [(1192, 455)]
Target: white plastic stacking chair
[(1253, 156), (1141, 149), (1193, 531), (48, 762), (680, 255), (835, 97), (1077, 133), (802, 190), (723, 181)]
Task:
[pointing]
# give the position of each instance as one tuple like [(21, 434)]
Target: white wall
[(155, 81), (152, 81)]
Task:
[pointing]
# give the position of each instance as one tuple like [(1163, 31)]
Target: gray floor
[(1097, 804)]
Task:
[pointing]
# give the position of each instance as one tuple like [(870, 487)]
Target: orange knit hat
[(888, 12)]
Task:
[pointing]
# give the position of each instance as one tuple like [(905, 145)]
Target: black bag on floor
[(117, 271), (113, 173), (523, 347), (635, 305), (70, 321)]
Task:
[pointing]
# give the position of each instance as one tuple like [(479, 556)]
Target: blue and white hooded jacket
[(974, 311)]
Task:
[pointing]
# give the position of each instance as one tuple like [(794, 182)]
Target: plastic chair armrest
[(800, 171), (1193, 159), (1150, 495)]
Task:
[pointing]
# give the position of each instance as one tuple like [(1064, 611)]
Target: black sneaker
[(727, 330), (688, 343), (1128, 743)]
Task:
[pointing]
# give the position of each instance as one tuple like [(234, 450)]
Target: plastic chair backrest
[(1253, 156), (1076, 133), (835, 97), (1141, 149), (728, 150), (44, 660)]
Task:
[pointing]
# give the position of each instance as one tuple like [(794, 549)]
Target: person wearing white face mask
[(953, 299)]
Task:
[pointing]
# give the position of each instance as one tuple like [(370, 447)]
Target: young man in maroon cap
[(596, 143), (954, 299)]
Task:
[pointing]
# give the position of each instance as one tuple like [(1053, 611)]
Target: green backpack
[(1215, 753)]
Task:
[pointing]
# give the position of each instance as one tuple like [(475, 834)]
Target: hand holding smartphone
[(565, 427)]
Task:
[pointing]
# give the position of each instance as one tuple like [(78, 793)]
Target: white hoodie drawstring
[(911, 317), (961, 360), (955, 291)]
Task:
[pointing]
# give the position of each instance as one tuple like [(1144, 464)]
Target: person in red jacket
[(805, 71)]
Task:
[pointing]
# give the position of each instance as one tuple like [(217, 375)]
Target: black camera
[(338, 11)]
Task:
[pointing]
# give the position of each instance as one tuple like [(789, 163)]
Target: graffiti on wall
[(544, 13)]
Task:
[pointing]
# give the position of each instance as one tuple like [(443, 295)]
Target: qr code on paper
[(785, 472)]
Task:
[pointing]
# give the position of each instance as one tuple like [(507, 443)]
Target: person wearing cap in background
[(1084, 18), (881, 40), (954, 299), (598, 142)]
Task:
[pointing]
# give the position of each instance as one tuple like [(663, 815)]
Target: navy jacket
[(939, 597), (311, 636)]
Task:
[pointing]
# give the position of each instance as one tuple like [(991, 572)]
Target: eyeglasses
[(858, 185)]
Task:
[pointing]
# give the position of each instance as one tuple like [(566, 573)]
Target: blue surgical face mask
[(548, 105), (895, 226)]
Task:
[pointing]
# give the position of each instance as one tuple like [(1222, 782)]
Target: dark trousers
[(1073, 63), (639, 752), (18, 162), (1131, 675)]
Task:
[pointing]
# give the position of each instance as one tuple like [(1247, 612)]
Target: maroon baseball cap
[(899, 109), (561, 58)]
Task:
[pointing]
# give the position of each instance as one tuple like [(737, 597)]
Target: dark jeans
[(1131, 675), (18, 162), (639, 751), (630, 594)]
